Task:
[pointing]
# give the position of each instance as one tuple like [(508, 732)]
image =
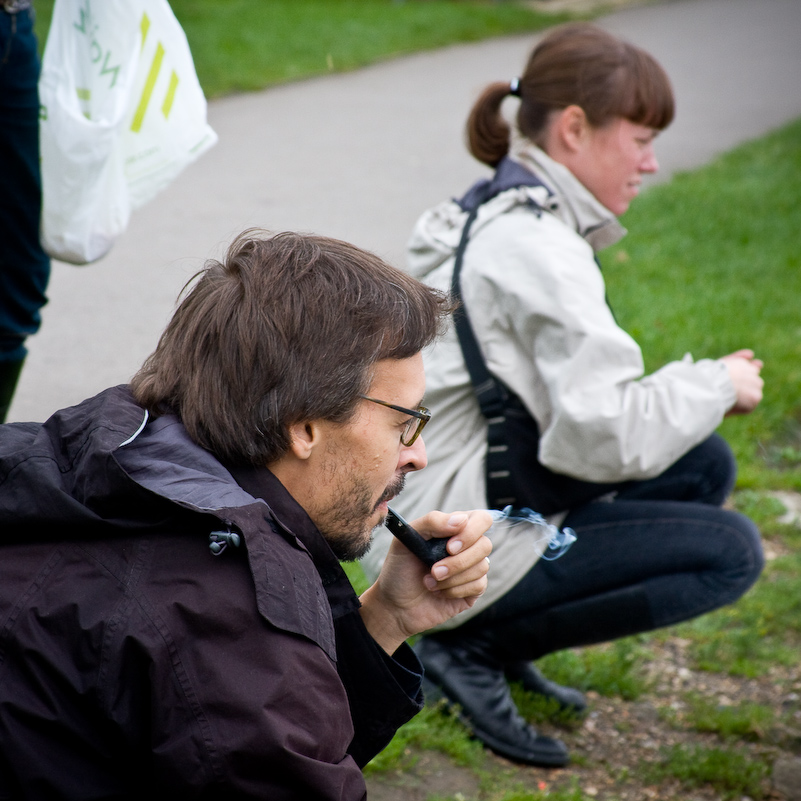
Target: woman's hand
[(744, 372), (407, 598)]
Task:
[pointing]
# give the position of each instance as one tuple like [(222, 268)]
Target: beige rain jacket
[(536, 299)]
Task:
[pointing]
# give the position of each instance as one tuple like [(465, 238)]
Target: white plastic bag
[(122, 114)]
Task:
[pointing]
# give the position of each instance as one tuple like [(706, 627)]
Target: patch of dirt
[(433, 775), (615, 739)]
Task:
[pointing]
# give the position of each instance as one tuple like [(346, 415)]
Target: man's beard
[(346, 528)]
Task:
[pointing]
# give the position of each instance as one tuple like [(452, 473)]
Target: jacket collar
[(300, 585), (572, 202), (94, 470), (261, 483)]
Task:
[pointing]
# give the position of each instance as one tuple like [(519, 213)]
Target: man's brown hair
[(284, 329)]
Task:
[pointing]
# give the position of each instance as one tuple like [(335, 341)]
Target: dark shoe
[(569, 699), (469, 680)]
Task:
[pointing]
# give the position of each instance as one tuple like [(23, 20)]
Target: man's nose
[(413, 457)]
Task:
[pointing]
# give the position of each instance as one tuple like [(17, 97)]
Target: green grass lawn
[(243, 45)]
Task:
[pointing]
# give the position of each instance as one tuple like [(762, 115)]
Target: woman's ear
[(570, 128)]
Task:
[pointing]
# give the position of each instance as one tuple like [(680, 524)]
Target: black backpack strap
[(512, 433), (490, 393), (487, 390), (509, 174)]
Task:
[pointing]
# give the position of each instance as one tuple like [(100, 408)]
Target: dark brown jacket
[(134, 661)]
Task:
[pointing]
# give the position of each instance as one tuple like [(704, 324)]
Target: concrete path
[(359, 156)]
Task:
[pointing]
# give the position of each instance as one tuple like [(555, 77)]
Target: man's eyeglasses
[(417, 419)]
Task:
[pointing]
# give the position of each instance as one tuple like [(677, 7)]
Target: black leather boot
[(471, 679), (568, 698), (9, 374)]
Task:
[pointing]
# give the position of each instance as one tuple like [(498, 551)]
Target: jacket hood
[(572, 202), (104, 469), (80, 472)]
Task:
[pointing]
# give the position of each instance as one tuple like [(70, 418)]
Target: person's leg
[(705, 474), (24, 267), (635, 566)]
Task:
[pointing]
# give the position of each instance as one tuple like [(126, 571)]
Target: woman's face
[(612, 160)]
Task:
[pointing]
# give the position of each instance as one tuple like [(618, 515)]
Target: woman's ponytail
[(487, 131)]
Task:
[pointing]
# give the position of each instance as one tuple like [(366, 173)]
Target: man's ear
[(305, 437), (571, 128)]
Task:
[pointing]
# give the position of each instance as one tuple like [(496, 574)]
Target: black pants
[(661, 552)]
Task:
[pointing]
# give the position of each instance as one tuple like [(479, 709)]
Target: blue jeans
[(24, 266), (661, 552)]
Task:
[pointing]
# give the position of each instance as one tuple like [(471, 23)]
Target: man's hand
[(744, 372), (407, 598)]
